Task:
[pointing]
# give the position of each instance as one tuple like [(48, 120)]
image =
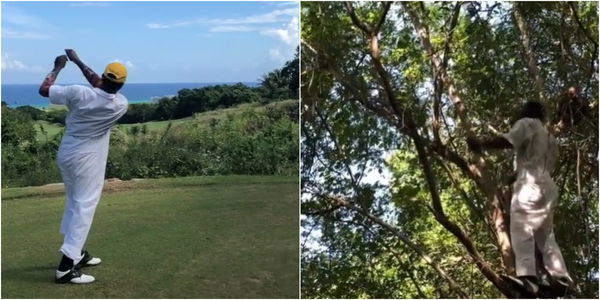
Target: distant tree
[(189, 101), (165, 108), (34, 113), (57, 116), (291, 71), (275, 85), (281, 84), (138, 113)]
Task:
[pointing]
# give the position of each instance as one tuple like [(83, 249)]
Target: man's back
[(536, 149), (92, 112)]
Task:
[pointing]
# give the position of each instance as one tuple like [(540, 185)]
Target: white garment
[(82, 157), (534, 197)]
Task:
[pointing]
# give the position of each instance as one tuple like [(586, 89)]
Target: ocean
[(27, 94)]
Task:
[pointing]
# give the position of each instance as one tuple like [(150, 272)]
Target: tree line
[(279, 84)]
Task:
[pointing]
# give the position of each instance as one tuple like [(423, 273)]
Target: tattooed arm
[(59, 64), (89, 74)]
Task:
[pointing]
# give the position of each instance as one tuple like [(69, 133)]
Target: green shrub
[(262, 140), (253, 143)]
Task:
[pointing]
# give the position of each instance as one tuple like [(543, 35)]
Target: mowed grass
[(153, 125), (46, 130), (192, 237)]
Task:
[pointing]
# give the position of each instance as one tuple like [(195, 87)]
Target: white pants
[(82, 163), (531, 225)]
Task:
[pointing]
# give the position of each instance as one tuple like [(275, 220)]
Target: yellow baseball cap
[(117, 72)]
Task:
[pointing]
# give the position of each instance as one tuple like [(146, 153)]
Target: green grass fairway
[(202, 118), (153, 125), (191, 237), (51, 129)]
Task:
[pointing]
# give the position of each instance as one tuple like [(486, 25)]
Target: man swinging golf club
[(83, 153), (535, 196)]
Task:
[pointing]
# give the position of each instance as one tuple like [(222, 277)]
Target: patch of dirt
[(117, 185), (111, 185)]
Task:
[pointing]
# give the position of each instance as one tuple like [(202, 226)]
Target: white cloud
[(83, 4), (275, 54), (12, 64), (127, 63), (157, 26), (228, 28), (172, 25), (282, 34), (288, 35), (28, 35), (284, 3), (14, 16), (270, 17), (16, 24)]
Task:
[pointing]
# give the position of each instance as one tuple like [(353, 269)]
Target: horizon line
[(187, 82)]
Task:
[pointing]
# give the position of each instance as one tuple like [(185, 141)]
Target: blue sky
[(158, 41)]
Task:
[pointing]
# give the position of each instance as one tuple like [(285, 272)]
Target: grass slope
[(203, 118), (192, 237), (51, 129)]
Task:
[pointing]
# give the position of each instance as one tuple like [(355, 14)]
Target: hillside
[(203, 118)]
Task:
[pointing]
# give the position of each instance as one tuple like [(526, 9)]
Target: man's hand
[(88, 73), (474, 144), (72, 55), (60, 62)]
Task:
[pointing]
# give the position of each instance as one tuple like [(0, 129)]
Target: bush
[(260, 142), (17, 127), (253, 143), (35, 166)]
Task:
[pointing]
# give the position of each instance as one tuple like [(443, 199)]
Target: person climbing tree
[(534, 197), (571, 110)]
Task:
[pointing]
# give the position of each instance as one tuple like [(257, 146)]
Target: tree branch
[(321, 211), (379, 68), (407, 126), (360, 24), (453, 285), (423, 34), (478, 171), (529, 53), (442, 218), (386, 8), (573, 7)]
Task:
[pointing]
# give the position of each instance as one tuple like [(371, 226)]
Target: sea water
[(27, 94)]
